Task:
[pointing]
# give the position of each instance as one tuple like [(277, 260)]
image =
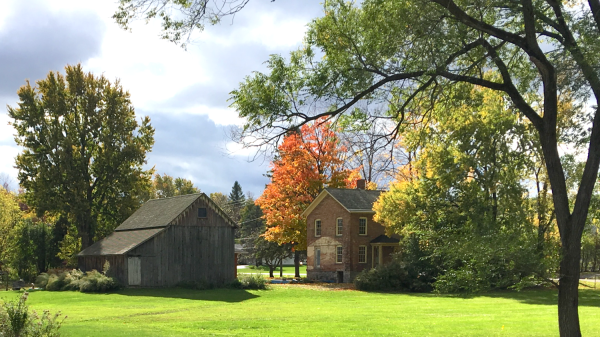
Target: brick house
[(342, 238)]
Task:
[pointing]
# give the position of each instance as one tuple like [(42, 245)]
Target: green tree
[(165, 187), (83, 150), (466, 198), (236, 201), (406, 54)]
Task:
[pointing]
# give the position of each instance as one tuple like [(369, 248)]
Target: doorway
[(134, 271), (340, 277)]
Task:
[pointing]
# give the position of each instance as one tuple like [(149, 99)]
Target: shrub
[(251, 281), (77, 280), (97, 283), (17, 321)]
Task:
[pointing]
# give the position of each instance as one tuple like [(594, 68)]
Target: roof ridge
[(176, 196)]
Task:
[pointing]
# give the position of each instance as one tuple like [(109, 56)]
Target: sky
[(184, 92)]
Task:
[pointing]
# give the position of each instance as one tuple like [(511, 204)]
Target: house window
[(362, 226), (362, 254), (338, 256), (339, 227), (317, 258), (317, 227), (202, 212)]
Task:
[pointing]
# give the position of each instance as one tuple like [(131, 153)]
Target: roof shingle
[(119, 243), (355, 199), (158, 212)]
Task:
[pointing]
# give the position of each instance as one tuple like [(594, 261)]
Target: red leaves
[(307, 162)]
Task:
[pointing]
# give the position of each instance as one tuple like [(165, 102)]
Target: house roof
[(353, 200), (158, 213), (120, 242)]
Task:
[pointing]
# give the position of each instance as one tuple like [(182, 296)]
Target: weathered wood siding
[(192, 249), (187, 253), (118, 265)]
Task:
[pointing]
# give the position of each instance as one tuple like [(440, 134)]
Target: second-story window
[(339, 257), (339, 227), (317, 227), (362, 226)]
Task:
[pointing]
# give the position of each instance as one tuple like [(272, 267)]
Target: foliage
[(306, 162), (405, 55), (9, 217), (179, 18), (76, 280), (250, 282), (465, 200), (17, 321), (165, 187), (236, 200), (83, 150)]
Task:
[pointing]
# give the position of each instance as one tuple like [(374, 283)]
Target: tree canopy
[(83, 150), (179, 18), (404, 55), (306, 162)]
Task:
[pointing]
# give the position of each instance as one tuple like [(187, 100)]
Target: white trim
[(366, 226), (337, 233), (336, 254)]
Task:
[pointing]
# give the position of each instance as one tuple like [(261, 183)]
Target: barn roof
[(353, 200), (157, 213), (121, 242)]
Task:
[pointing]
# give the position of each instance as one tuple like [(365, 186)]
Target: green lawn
[(310, 311), (289, 270)]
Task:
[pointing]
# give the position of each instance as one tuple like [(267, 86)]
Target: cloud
[(195, 148), (35, 40)]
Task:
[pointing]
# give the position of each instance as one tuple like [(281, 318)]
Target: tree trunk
[(281, 268), (568, 294), (271, 267), (296, 263)]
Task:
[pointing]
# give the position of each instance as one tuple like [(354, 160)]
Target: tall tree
[(403, 53), (83, 150), (306, 162), (236, 201)]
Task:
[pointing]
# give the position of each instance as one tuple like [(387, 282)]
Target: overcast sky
[(184, 92)]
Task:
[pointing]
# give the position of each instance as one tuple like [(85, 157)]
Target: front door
[(134, 271)]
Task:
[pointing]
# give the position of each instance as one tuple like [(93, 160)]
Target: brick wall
[(328, 211)]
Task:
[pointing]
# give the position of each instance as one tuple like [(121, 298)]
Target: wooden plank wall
[(188, 253), (118, 265)]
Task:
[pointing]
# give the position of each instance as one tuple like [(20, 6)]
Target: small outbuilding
[(168, 241)]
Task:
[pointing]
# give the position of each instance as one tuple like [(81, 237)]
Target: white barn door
[(134, 271)]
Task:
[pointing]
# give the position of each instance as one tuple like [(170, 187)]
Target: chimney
[(361, 184)]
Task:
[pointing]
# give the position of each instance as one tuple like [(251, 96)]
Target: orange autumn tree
[(307, 161)]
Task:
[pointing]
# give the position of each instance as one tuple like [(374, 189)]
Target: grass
[(289, 270), (310, 311)]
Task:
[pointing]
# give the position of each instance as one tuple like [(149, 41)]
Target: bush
[(250, 281), (17, 321), (77, 280)]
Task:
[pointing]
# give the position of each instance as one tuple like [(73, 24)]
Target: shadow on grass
[(587, 297), (220, 295)]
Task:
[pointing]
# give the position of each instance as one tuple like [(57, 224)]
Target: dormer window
[(202, 212)]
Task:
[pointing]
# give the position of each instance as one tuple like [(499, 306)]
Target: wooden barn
[(168, 241)]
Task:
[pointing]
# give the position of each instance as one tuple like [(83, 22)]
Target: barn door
[(134, 271)]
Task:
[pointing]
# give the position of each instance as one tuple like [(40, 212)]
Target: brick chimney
[(361, 184)]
